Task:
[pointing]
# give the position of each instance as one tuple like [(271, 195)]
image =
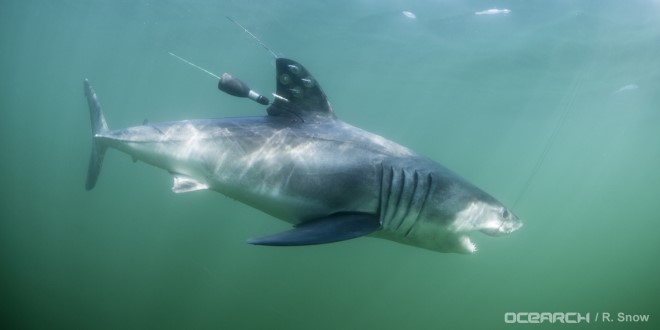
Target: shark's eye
[(505, 214)]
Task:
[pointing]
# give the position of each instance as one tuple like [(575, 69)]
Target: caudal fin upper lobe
[(98, 125)]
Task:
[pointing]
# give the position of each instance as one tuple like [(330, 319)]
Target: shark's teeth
[(468, 245)]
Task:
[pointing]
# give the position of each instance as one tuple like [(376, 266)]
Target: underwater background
[(553, 107)]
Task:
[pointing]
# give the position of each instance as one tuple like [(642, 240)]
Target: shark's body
[(300, 164)]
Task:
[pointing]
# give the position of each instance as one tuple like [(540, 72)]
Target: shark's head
[(450, 211), (506, 222), (493, 219), (476, 211)]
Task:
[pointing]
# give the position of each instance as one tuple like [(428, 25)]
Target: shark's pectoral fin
[(334, 228), (185, 184)]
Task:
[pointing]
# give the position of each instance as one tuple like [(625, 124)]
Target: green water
[(553, 107)]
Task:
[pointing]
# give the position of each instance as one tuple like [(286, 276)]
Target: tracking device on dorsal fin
[(298, 93), (236, 87), (230, 85)]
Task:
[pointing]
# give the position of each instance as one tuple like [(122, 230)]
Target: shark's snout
[(511, 224), (503, 223)]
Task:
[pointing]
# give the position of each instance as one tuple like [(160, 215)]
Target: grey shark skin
[(300, 164)]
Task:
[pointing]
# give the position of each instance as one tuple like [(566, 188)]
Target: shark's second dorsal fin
[(298, 93)]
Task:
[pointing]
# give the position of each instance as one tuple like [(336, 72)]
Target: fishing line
[(567, 105)]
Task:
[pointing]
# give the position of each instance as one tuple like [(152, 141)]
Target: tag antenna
[(194, 65), (253, 37)]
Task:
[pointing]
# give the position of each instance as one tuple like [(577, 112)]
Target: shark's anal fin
[(334, 228), (183, 184), (298, 94)]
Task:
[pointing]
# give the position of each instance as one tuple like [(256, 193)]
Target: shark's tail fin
[(98, 125)]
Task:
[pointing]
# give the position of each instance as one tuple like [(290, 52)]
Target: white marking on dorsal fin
[(279, 97), (183, 184)]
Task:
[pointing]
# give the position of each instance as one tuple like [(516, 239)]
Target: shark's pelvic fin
[(183, 184), (334, 228), (298, 93), (98, 125)]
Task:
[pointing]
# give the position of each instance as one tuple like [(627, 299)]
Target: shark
[(299, 163)]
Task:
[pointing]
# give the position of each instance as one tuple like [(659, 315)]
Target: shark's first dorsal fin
[(298, 93)]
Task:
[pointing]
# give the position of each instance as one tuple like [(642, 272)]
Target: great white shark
[(330, 180)]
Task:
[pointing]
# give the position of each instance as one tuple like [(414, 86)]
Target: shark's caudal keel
[(299, 163)]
